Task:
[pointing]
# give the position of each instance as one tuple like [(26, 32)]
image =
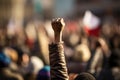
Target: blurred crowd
[(24, 51)]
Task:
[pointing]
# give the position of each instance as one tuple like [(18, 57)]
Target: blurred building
[(47, 9), (98, 6), (5, 9)]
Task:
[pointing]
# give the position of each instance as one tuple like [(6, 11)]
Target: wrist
[(58, 38)]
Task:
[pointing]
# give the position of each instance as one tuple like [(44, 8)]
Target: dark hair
[(85, 76), (112, 40), (114, 59), (97, 44), (1, 48)]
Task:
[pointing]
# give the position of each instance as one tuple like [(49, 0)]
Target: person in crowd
[(58, 68), (112, 72), (5, 72), (100, 57)]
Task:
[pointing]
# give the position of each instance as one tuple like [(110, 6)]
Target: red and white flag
[(91, 24)]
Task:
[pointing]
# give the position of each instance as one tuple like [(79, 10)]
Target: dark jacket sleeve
[(57, 62)]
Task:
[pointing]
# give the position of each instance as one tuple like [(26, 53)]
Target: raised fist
[(58, 25)]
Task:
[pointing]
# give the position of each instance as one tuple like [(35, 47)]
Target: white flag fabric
[(91, 23)]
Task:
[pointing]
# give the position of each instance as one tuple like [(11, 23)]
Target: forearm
[(58, 37), (96, 59)]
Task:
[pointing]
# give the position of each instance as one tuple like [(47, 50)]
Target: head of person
[(82, 76), (114, 59), (44, 73)]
